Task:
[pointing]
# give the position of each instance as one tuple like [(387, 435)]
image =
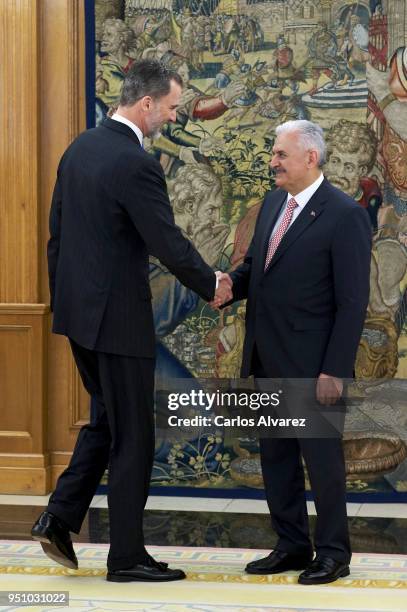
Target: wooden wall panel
[(42, 403), (62, 98), (14, 383), (63, 79), (22, 388), (24, 461), (19, 151)]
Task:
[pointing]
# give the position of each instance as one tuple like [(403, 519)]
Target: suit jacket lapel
[(308, 215)]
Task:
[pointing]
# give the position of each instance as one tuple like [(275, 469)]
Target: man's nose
[(273, 162), (173, 116)]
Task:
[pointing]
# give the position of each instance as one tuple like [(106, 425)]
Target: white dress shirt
[(131, 125), (302, 199)]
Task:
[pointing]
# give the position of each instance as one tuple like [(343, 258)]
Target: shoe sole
[(326, 581), (110, 578), (52, 551)]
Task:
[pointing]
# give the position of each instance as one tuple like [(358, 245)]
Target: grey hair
[(310, 134), (147, 78)]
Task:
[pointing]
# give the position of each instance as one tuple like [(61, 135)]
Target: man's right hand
[(329, 389), (224, 291)]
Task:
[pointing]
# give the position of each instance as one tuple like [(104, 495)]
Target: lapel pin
[(312, 213)]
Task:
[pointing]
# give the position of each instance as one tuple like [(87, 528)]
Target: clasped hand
[(329, 389), (224, 291)]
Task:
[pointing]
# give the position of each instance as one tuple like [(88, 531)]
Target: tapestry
[(247, 66)]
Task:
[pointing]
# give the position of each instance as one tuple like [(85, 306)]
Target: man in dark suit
[(306, 280), (109, 211)]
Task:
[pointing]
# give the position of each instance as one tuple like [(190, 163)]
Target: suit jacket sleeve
[(351, 253), (54, 241), (146, 200)]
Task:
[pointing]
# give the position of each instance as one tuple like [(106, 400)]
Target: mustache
[(275, 171)]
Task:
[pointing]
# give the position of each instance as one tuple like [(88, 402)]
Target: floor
[(199, 504), (212, 540), (227, 523), (215, 582)]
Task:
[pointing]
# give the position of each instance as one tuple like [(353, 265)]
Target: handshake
[(224, 290)]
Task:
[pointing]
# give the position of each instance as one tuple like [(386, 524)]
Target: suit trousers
[(120, 436), (284, 482)]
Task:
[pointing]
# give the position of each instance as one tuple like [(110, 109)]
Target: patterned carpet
[(215, 581)]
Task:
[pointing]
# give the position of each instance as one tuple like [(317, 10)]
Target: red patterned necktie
[(280, 231)]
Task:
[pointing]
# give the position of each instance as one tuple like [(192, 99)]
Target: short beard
[(156, 134), (155, 128)]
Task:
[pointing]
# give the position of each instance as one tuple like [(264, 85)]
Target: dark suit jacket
[(109, 211), (305, 314)]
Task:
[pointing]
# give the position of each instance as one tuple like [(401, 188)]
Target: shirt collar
[(129, 124), (304, 196)]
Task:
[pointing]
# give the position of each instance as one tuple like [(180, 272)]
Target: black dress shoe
[(278, 561), (148, 570), (55, 540), (323, 570)]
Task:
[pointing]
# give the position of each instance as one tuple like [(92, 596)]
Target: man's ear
[(312, 158), (146, 103)]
